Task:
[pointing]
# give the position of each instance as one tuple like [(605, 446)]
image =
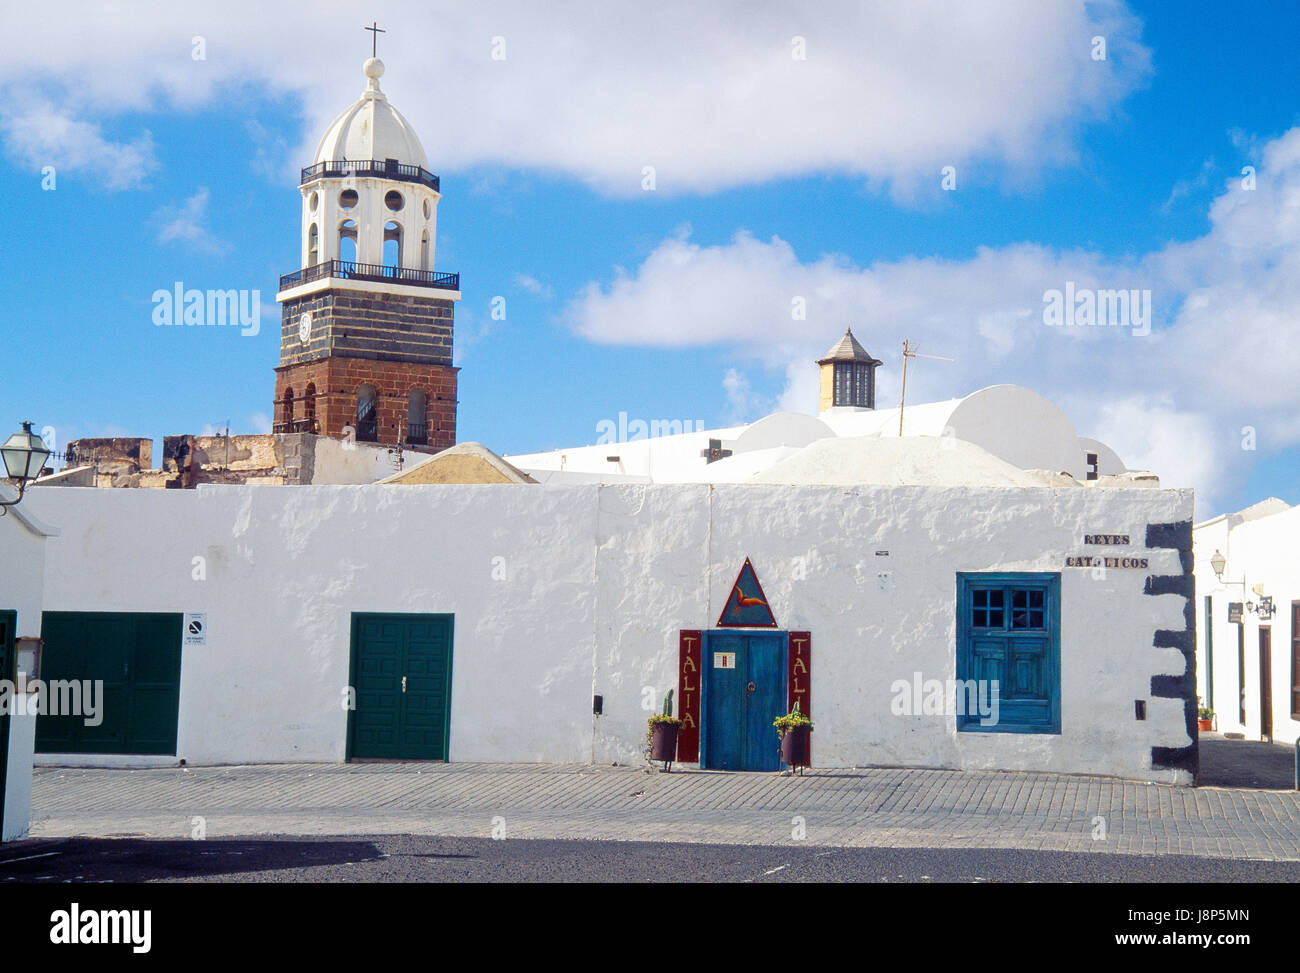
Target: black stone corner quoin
[(1177, 536)]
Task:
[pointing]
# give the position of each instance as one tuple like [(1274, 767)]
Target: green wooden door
[(135, 658), (401, 670)]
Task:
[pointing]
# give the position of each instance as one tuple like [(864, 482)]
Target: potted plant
[(794, 729), (661, 734), (1204, 717)]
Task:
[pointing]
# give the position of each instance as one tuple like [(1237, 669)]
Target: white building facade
[(1248, 631), (532, 623)]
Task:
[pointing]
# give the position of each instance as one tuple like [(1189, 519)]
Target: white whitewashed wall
[(562, 592)]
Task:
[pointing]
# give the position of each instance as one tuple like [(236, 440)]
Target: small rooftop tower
[(848, 375)]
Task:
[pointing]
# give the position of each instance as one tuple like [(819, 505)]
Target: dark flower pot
[(796, 746), (663, 742)]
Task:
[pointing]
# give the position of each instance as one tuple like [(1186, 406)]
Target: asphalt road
[(419, 858)]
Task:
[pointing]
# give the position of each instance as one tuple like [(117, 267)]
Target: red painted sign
[(688, 694), (800, 672)]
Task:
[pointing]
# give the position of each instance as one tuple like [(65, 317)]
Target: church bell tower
[(366, 324)]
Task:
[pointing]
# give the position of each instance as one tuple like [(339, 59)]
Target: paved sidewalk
[(1246, 763), (880, 807)]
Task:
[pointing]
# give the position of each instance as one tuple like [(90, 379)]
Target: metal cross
[(715, 452), (375, 31)]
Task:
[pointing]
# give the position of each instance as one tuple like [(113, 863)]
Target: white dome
[(372, 129)]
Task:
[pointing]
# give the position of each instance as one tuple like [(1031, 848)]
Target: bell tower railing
[(351, 270), (383, 168)]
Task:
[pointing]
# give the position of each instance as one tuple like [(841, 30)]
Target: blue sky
[(776, 177)]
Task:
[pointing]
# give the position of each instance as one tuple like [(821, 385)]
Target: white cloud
[(1184, 448), (185, 224), (534, 286), (708, 94), (740, 397), (1188, 187), (1222, 352), (40, 134)]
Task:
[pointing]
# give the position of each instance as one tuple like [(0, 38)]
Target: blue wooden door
[(744, 691)]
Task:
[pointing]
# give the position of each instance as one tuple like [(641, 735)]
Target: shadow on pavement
[(149, 859), (1246, 763)]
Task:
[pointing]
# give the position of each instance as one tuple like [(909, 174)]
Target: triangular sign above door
[(746, 606)]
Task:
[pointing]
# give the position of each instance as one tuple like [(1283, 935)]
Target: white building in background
[(1013, 431), (1248, 629)]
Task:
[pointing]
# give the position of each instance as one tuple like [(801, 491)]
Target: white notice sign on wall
[(724, 660), (196, 629)]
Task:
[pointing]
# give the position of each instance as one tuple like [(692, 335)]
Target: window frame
[(1049, 582)]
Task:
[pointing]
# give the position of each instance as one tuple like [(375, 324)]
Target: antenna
[(911, 352)]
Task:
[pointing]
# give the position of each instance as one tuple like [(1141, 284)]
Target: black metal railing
[(295, 425), (417, 433), (351, 270), (384, 169), (367, 429)]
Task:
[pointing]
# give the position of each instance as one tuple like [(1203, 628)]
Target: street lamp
[(1218, 562), (24, 456)]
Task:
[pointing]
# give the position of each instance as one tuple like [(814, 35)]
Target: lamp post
[(24, 456)]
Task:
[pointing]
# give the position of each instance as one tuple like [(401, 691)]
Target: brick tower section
[(397, 343)]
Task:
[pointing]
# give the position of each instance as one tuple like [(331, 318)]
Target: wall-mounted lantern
[(1218, 562), (1264, 607), (25, 455)]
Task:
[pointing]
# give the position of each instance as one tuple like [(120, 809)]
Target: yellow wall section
[(453, 469), (828, 388)]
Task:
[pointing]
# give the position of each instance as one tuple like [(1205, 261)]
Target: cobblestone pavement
[(875, 807)]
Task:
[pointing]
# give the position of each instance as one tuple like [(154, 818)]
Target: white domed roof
[(372, 129)]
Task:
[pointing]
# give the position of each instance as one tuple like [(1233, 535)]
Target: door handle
[(403, 684), (750, 689)]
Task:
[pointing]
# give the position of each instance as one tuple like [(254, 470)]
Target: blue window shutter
[(1008, 631)]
